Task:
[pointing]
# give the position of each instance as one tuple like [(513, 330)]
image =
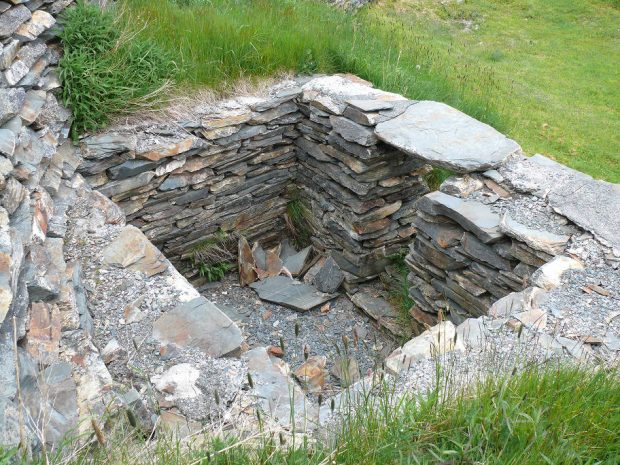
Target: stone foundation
[(528, 241)]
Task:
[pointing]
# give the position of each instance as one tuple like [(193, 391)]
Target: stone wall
[(355, 155), (41, 297), (235, 166)]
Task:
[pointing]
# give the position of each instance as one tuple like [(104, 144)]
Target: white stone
[(434, 341), (178, 382), (549, 275)]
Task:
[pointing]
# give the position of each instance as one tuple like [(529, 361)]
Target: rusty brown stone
[(165, 151), (43, 336), (247, 267)]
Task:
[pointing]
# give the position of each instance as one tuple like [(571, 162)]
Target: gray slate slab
[(445, 137), (200, 324), (593, 205), (471, 215), (290, 293), (330, 277)]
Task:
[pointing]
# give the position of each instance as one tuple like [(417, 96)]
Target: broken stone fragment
[(132, 249), (329, 277), (381, 311), (178, 382), (247, 265), (346, 370), (112, 352), (199, 324), (472, 216), (43, 332), (45, 269), (517, 302), (434, 341), (290, 293), (311, 374), (11, 102), (276, 393), (12, 19), (39, 22), (544, 241), (549, 275), (296, 262)]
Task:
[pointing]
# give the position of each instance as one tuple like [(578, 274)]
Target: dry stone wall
[(235, 167)]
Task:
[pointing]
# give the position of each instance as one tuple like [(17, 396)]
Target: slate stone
[(295, 263), (290, 293), (276, 393), (11, 101), (381, 311), (123, 186), (132, 249), (329, 277), (544, 241), (443, 234), (591, 204), (7, 142), (107, 145), (352, 131), (445, 137), (201, 325), (475, 249), (55, 407), (471, 215), (130, 168), (12, 19), (46, 269)]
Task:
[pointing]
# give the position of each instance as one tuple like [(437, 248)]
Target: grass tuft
[(107, 68)]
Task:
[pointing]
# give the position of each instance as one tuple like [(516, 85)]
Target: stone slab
[(594, 205), (445, 137), (290, 293), (200, 324), (472, 216)]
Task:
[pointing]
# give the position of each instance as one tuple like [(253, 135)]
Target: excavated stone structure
[(509, 248)]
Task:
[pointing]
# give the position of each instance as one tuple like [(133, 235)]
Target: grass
[(214, 256), (554, 62), (558, 415), (298, 221), (545, 72), (107, 69)]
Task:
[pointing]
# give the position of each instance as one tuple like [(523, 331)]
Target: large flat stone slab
[(290, 293), (446, 137), (200, 324)]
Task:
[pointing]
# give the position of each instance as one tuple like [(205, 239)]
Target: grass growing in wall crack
[(107, 68)]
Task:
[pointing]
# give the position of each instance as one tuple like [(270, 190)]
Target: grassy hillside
[(543, 71), (555, 62)]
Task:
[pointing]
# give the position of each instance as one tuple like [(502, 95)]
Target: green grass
[(106, 69), (557, 415), (554, 62), (543, 71)]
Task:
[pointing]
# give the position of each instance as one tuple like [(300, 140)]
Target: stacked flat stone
[(468, 251), (234, 167), (228, 169), (361, 190), (41, 296)]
